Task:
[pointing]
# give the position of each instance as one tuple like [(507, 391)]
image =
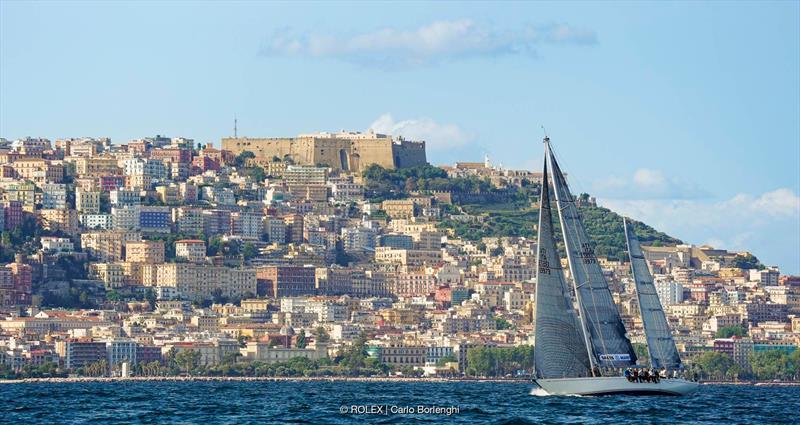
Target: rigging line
[(578, 183)]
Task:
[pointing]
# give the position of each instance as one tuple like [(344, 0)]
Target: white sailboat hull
[(615, 385)]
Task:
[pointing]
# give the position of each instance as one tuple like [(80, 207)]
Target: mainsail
[(660, 344), (560, 351), (610, 345)]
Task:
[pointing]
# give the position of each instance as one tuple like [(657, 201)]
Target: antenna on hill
[(235, 127)]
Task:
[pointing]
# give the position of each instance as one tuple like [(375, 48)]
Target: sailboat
[(579, 351)]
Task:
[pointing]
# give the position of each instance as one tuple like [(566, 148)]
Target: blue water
[(320, 403)]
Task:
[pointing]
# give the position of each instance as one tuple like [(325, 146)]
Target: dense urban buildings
[(120, 259)]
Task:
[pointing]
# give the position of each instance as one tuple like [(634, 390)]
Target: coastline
[(323, 379), (258, 379)]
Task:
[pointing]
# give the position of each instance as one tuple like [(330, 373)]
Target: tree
[(734, 372), (729, 331), (217, 296), (497, 251), (150, 296), (713, 364), (242, 158), (641, 353), (747, 261), (188, 360), (249, 251), (773, 364), (354, 357), (231, 357), (502, 323), (321, 335), (98, 368), (446, 359), (113, 295)]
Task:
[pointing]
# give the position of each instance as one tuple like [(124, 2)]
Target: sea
[(346, 402)]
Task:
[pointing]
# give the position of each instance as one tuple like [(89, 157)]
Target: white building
[(275, 229), (247, 225), (126, 218), (191, 250), (328, 311), (125, 197), (54, 244), (119, 351), (96, 221), (767, 277), (669, 291), (54, 196), (358, 239)]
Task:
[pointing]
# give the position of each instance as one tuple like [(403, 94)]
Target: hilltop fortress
[(346, 151)]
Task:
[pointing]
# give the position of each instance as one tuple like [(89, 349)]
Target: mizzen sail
[(660, 344), (610, 345), (560, 350)]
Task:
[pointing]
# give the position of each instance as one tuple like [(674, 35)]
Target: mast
[(559, 351), (607, 338)]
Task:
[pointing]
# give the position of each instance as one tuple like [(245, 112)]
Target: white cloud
[(778, 203), (767, 224), (437, 136), (432, 43), (647, 184)]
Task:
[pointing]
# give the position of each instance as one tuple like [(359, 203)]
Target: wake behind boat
[(578, 349)]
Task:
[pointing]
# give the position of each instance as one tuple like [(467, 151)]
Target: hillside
[(503, 212), (603, 226)]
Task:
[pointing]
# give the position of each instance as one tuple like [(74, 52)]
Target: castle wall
[(300, 150), (374, 151), (338, 153), (409, 154)]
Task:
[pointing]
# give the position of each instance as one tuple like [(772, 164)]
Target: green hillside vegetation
[(516, 217), (603, 226)]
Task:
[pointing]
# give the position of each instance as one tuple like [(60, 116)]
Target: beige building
[(400, 355), (87, 202), (170, 195), (399, 208), (64, 220), (112, 274), (262, 352), (108, 246), (39, 171), (198, 282), (149, 252), (96, 166), (407, 257)]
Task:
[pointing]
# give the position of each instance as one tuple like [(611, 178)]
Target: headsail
[(610, 345), (660, 344), (560, 351)]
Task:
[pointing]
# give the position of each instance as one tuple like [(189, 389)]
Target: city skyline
[(662, 111)]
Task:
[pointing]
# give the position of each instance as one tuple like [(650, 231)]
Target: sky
[(683, 115)]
